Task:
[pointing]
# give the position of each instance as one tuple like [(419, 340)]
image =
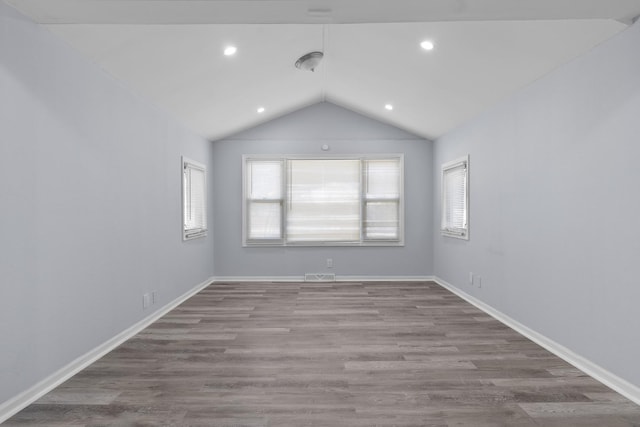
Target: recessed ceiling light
[(230, 50), (427, 45), (260, 110), (388, 107)]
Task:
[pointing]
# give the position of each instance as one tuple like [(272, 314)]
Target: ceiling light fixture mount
[(310, 61)]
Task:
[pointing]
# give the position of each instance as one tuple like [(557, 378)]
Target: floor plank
[(329, 354)]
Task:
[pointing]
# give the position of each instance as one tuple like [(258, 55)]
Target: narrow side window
[(382, 199), (263, 198), (455, 199), (194, 199)]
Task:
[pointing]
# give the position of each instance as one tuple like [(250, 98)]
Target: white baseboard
[(384, 278), (339, 278), (22, 400), (235, 279), (625, 388)]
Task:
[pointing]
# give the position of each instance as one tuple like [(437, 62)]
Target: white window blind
[(264, 200), (382, 199), (455, 198), (324, 201), (194, 206), (319, 201)]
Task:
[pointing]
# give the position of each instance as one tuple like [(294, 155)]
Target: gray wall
[(90, 204), (554, 206), (304, 132), (90, 199)]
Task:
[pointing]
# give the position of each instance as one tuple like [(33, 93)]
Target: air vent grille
[(319, 277)]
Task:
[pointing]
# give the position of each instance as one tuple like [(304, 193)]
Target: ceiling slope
[(171, 52)]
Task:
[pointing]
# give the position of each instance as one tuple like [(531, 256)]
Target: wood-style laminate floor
[(329, 354)]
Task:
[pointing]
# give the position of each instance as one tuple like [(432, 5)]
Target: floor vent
[(319, 277)]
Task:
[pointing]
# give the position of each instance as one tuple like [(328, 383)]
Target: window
[(323, 201), (194, 200), (455, 198), (264, 195), (381, 199)]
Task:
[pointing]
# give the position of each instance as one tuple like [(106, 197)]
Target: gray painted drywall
[(554, 206), (304, 132), (90, 197)]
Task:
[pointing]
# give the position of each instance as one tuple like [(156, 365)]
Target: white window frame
[(445, 228), (363, 241), (189, 232), (246, 203), (366, 199)]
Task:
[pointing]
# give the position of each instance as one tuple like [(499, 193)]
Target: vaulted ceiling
[(171, 52)]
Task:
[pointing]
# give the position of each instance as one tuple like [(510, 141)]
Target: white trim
[(384, 278), (235, 279), (622, 386), (22, 400), (339, 278)]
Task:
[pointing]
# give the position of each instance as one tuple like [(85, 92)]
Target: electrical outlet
[(154, 297), (470, 278), (479, 281), (329, 262), (146, 299)]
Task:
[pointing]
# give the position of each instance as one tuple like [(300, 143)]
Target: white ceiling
[(170, 51)]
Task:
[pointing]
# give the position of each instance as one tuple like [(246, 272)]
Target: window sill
[(461, 235)]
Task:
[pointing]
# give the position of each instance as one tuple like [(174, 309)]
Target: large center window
[(323, 201)]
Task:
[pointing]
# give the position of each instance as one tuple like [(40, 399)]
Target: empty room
[(319, 213)]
